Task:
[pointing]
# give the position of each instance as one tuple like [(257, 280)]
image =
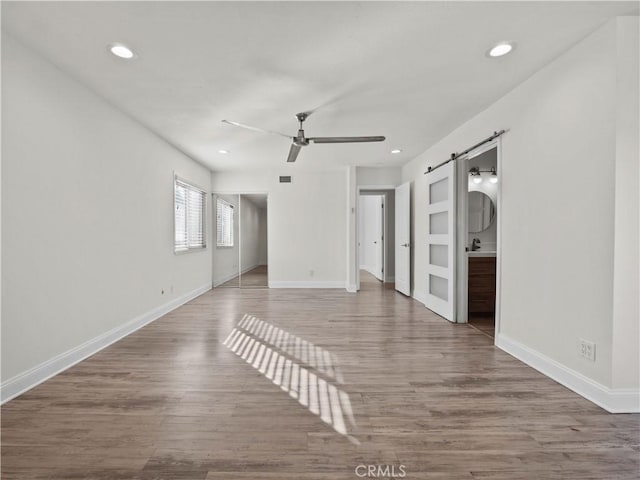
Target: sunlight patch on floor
[(308, 373)]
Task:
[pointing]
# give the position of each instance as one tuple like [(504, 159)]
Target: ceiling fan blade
[(255, 129), (293, 152), (346, 139)]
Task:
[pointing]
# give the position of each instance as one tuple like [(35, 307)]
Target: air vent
[(285, 179)]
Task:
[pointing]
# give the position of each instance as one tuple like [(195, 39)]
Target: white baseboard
[(27, 380), (612, 400), (226, 278), (352, 288), (286, 284)]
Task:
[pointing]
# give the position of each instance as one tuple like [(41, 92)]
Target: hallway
[(309, 384)]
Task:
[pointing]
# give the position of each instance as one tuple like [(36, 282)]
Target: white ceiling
[(412, 71)]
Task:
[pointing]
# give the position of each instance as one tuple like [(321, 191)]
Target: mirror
[(482, 211), (240, 250), (226, 251)]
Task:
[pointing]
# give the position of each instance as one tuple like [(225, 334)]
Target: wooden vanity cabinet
[(482, 284)]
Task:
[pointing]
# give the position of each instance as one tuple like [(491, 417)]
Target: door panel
[(441, 226), (403, 239), (378, 237)]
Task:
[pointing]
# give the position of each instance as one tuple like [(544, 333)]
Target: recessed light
[(223, 152), (501, 49), (122, 51), (396, 150)]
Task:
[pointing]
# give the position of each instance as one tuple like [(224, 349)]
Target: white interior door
[(378, 238), (403, 238), (441, 238)]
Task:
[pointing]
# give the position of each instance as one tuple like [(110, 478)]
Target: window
[(189, 204), (224, 223)]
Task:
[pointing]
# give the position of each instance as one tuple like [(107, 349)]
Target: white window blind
[(224, 223), (189, 204)]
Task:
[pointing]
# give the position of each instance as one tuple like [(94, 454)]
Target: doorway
[(375, 235), (240, 255), (478, 231), (372, 235), (463, 237)]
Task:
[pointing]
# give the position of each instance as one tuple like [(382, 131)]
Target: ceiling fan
[(300, 140)]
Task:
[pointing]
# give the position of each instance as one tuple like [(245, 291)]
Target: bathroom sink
[(482, 253)]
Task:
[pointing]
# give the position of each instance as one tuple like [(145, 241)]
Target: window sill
[(189, 250)]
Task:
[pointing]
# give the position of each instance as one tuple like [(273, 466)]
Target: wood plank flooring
[(483, 322), (255, 278), (309, 384)]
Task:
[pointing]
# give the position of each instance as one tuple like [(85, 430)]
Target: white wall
[(558, 181), (383, 176), (226, 259), (306, 223), (87, 214)]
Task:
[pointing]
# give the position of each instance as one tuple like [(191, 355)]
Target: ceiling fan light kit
[(300, 140)]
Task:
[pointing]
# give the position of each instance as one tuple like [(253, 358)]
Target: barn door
[(441, 241)]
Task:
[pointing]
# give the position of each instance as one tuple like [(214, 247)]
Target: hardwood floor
[(483, 322), (309, 384), (255, 278)]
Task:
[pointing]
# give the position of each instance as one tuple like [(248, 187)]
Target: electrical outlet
[(588, 349)]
